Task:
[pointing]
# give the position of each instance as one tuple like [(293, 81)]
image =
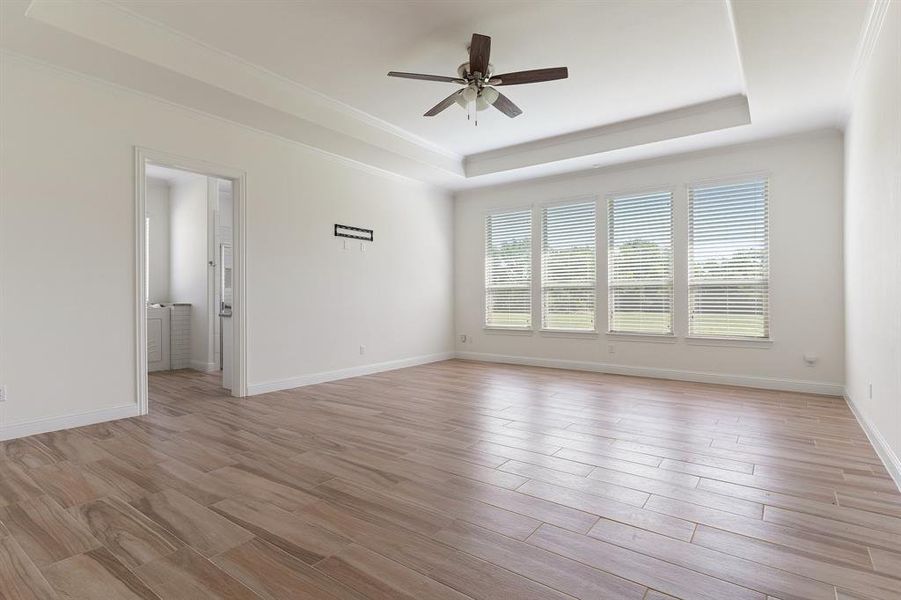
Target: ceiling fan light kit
[(480, 81)]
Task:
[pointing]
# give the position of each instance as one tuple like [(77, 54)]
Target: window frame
[(539, 219), (520, 329), (630, 193), (726, 340)]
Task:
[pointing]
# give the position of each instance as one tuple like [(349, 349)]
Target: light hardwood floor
[(455, 480)]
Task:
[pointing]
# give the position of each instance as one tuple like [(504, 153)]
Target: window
[(508, 269), (728, 265), (640, 263), (568, 266)]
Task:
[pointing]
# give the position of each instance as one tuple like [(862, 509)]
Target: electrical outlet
[(2, 393), (611, 349), (362, 349), (463, 338)]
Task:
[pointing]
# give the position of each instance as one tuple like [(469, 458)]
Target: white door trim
[(239, 304)]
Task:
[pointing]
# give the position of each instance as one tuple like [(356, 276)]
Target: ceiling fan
[(480, 81)]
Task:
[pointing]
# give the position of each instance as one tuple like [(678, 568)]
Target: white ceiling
[(626, 59), (647, 78)]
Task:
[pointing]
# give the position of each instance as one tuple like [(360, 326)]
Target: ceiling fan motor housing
[(463, 72)]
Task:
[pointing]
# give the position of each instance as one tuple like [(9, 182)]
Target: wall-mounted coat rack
[(356, 233)]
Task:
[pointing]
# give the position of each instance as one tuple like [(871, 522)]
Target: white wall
[(157, 209), (67, 223), (806, 276), (873, 243), (189, 270)]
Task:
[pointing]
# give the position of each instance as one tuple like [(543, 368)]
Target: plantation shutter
[(568, 266), (728, 270), (640, 263), (508, 269)]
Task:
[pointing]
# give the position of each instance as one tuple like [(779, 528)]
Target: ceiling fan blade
[(533, 76), (424, 77), (443, 104), (506, 106), (479, 52)]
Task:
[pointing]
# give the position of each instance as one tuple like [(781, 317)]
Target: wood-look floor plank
[(282, 529), (805, 541), (742, 572), (786, 501), (555, 571), (187, 574), (467, 509), (380, 578), (638, 567), (15, 484), (384, 508), (203, 529), (96, 574), (235, 482), (652, 472), (128, 534), (518, 502), (610, 509), (276, 575), (886, 562), (45, 531), (19, 577), (868, 582), (474, 577), (71, 445), (613, 491), (69, 484), (535, 458), (877, 505), (26, 453), (121, 479), (188, 481)]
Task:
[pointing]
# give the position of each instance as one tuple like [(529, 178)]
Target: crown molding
[(463, 195), (392, 170), (869, 35), (116, 27), (714, 115)]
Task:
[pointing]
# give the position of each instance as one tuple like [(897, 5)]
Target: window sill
[(510, 330), (657, 338), (568, 333), (729, 342)]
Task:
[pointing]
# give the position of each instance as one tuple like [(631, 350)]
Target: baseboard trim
[(889, 459), (17, 430), (767, 383), (325, 376)]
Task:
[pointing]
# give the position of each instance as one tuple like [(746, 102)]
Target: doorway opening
[(189, 264)]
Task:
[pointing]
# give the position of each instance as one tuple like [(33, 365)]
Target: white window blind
[(728, 266), (640, 263), (508, 269), (568, 266)]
